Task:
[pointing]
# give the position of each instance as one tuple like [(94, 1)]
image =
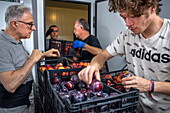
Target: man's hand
[(49, 32), (136, 82), (87, 74), (36, 55), (78, 44), (52, 53)]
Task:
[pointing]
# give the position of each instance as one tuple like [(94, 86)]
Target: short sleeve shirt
[(12, 55), (147, 58), (92, 41)]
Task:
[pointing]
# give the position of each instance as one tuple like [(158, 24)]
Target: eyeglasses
[(55, 31), (30, 24)]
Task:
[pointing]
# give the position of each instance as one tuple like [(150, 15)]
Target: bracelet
[(152, 86), (150, 89)]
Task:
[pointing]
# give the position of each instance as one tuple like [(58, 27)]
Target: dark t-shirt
[(92, 41)]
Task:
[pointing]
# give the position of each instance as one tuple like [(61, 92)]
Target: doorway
[(63, 14)]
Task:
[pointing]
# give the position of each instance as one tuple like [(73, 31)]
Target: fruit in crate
[(43, 68), (56, 87), (119, 79), (70, 85), (81, 85), (104, 95), (83, 90), (57, 80), (64, 95), (64, 89), (78, 97), (86, 64), (75, 79), (79, 91), (66, 49), (96, 85), (48, 66), (61, 67), (99, 94), (65, 74), (108, 77), (58, 65), (71, 45), (73, 64), (90, 96), (81, 64), (72, 73)]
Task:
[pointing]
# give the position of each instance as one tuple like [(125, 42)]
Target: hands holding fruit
[(38, 55), (87, 74), (136, 82), (139, 83), (52, 53)]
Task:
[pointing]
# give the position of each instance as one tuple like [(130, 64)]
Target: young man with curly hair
[(146, 44)]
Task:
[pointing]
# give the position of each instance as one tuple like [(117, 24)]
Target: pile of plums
[(78, 91)]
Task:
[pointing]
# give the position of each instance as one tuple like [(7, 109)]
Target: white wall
[(165, 9), (64, 18), (4, 5), (109, 25)]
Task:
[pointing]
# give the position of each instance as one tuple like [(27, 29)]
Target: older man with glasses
[(15, 63)]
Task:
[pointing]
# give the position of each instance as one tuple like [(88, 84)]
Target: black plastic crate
[(42, 105), (57, 44), (53, 62), (66, 48), (85, 63), (113, 79), (123, 102), (126, 102), (47, 99), (70, 51)]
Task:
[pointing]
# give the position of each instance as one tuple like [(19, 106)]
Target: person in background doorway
[(146, 44), (15, 64), (53, 31), (89, 43)]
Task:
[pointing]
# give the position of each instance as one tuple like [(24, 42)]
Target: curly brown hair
[(135, 7)]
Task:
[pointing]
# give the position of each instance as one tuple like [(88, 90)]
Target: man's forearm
[(92, 50), (100, 59), (162, 87), (13, 79)]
